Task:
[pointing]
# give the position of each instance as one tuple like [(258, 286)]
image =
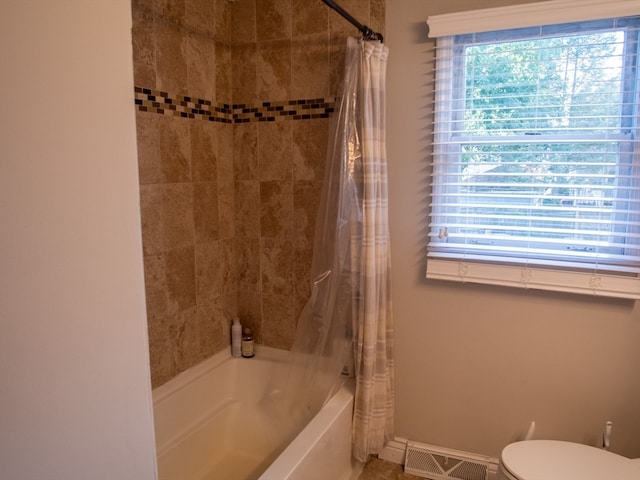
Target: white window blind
[(536, 163)]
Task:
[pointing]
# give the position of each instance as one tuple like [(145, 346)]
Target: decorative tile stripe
[(285, 110), (155, 101)]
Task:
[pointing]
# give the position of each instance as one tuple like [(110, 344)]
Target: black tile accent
[(148, 100)]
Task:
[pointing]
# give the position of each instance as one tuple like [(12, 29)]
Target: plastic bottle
[(247, 343), (236, 338)]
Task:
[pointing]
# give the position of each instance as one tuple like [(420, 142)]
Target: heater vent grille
[(441, 464)]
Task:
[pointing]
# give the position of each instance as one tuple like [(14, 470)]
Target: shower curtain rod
[(366, 31)]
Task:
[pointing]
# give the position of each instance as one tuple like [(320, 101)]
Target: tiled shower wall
[(234, 101)]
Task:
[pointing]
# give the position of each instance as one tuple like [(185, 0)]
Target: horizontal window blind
[(536, 158)]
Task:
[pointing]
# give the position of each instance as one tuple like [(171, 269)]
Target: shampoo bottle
[(247, 344), (236, 338)]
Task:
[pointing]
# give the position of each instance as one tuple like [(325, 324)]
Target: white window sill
[(532, 277)]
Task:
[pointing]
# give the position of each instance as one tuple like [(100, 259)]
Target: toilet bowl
[(557, 460)]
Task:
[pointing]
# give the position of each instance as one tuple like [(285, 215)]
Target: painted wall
[(75, 392), (475, 364)]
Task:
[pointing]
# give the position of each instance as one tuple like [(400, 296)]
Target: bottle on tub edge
[(236, 338), (247, 343)]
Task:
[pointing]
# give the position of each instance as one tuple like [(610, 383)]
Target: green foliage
[(542, 85), (566, 86)]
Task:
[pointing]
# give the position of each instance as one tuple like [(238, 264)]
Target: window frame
[(458, 264)]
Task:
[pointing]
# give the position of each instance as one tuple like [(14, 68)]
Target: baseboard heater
[(437, 463)]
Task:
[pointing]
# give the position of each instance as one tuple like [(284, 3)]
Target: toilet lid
[(556, 460)]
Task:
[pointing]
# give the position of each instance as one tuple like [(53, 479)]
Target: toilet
[(557, 460)]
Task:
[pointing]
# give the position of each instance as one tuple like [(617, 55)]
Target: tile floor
[(377, 469)]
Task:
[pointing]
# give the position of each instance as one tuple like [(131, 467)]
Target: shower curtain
[(372, 313), (346, 326)]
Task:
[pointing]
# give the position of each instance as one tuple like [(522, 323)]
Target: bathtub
[(212, 423)]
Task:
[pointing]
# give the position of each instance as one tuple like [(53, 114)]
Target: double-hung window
[(536, 157)]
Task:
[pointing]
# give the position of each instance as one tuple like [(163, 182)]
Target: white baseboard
[(394, 451), (493, 469)]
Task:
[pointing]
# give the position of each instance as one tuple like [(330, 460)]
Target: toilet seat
[(557, 460)]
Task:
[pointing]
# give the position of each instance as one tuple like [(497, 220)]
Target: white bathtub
[(212, 424)]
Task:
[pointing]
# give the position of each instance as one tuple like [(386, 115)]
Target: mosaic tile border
[(156, 101), (292, 109)]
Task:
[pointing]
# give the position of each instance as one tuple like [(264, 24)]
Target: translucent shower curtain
[(347, 323)]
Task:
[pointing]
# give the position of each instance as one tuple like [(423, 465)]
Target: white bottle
[(236, 338)]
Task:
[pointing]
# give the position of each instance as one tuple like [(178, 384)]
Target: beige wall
[(75, 395), (181, 49), (475, 364), (228, 206)]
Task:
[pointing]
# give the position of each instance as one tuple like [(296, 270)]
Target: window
[(536, 170)]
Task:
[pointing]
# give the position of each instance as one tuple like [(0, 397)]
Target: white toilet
[(556, 460)]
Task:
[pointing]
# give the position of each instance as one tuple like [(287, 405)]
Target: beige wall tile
[(276, 209), (211, 323), (310, 67), (222, 20), (204, 146), (224, 91), (309, 17), (185, 327), (306, 199), (201, 66), (167, 217), (243, 22), (274, 70), (247, 202), (224, 138), (377, 15), (144, 53), (279, 322), (171, 10), (209, 271), (309, 148), (229, 265), (273, 19), (276, 266), (175, 150), (205, 211), (337, 52), (199, 17), (163, 367), (249, 264), (245, 151), (274, 151), (148, 140), (171, 63), (144, 5), (230, 310), (169, 282), (244, 76), (226, 212), (302, 259), (183, 335)]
